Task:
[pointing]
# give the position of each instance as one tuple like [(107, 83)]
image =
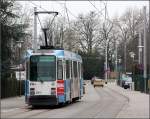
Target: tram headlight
[(32, 91), (53, 91)]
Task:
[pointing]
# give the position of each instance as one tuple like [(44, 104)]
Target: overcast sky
[(76, 7)]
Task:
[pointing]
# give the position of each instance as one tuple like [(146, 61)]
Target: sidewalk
[(12, 103), (138, 103)]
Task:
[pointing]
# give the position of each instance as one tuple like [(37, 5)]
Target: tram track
[(35, 112), (28, 113), (97, 103), (17, 112), (116, 100), (94, 108), (106, 102), (38, 113), (14, 112)]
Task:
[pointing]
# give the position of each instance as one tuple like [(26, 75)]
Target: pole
[(116, 57), (145, 48), (116, 62), (19, 72), (19, 45), (106, 76), (149, 20), (140, 48), (125, 55), (35, 30), (62, 36)]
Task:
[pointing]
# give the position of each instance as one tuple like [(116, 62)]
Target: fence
[(139, 82), (10, 87)]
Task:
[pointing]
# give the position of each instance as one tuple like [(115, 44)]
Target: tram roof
[(58, 53)]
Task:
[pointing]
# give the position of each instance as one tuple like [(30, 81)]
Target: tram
[(53, 77)]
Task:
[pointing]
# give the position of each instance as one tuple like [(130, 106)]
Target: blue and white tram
[(53, 77)]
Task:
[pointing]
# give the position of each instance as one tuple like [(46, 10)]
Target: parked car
[(128, 82)]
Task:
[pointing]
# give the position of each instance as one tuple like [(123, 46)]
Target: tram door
[(71, 78)]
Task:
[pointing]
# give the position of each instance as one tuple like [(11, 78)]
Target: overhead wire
[(41, 7), (67, 14), (105, 4), (37, 5), (67, 9), (70, 11), (99, 11), (93, 5)]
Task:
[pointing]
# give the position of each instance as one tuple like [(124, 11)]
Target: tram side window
[(67, 69), (71, 67), (79, 70), (59, 70), (75, 69), (27, 70)]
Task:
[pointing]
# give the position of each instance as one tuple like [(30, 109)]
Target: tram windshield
[(42, 68)]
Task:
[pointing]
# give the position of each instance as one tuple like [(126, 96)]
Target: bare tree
[(128, 33), (86, 28), (107, 39)]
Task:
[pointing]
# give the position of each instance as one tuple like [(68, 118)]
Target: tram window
[(71, 65), (67, 69), (27, 70), (42, 68), (79, 70), (59, 70), (75, 69)]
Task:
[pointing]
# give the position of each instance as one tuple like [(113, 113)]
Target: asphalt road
[(97, 103)]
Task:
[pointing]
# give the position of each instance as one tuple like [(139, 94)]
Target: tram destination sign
[(47, 59)]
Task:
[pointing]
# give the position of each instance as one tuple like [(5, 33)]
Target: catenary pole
[(35, 30), (145, 49)]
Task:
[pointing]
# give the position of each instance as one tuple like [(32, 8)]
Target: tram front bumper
[(42, 100)]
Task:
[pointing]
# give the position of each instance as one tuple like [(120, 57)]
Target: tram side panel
[(67, 81), (80, 79)]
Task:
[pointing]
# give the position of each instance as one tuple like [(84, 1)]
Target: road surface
[(97, 103)]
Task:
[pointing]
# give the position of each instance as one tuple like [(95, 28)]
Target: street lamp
[(119, 68), (132, 54), (19, 45), (106, 64)]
